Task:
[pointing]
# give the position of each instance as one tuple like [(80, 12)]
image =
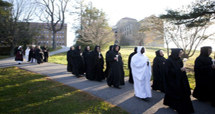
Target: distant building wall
[(128, 33), (45, 36)]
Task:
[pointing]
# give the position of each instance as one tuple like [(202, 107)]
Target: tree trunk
[(12, 51), (167, 49), (54, 40)]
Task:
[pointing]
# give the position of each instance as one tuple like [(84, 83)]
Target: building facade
[(129, 33), (45, 36)]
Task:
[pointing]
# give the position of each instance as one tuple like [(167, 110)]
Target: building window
[(57, 37), (62, 32), (47, 37), (62, 37), (52, 42), (47, 43), (52, 37), (47, 32), (62, 42)]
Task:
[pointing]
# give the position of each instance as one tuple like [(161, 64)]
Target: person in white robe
[(27, 54), (141, 71)]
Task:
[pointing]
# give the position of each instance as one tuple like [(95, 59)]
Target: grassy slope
[(29, 93)]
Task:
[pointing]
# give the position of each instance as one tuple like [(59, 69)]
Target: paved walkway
[(121, 97)]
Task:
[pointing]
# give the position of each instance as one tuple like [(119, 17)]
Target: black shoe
[(109, 85), (19, 63), (117, 87), (78, 76), (145, 99)]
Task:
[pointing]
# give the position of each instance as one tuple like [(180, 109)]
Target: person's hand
[(183, 69), (115, 58), (213, 66)]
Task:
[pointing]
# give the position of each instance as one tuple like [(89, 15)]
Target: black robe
[(69, 60), (32, 54), (204, 76), (116, 76), (46, 54), (39, 55), (85, 56), (95, 66), (158, 72), (130, 80), (176, 85), (19, 55), (78, 66), (107, 70)]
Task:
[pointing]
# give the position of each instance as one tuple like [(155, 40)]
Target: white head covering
[(139, 65), (19, 47), (33, 45)]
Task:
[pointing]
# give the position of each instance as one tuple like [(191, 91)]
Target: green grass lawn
[(24, 92), (4, 56), (150, 53)]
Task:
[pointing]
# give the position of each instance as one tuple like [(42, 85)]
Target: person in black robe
[(96, 65), (158, 71), (32, 57), (176, 85), (85, 56), (116, 76), (107, 70), (46, 53), (39, 55), (19, 55), (130, 80), (69, 59), (77, 59), (204, 76)]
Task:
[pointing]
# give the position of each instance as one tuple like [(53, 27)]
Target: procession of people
[(35, 54), (168, 75)]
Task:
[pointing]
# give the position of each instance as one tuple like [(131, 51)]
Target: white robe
[(27, 54), (141, 74)]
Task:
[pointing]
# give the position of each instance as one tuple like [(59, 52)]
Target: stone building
[(45, 36), (130, 32), (127, 30)]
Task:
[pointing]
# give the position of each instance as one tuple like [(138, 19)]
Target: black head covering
[(77, 48), (158, 53), (110, 48), (144, 50), (95, 49), (114, 47), (175, 53), (86, 48), (204, 51), (135, 49)]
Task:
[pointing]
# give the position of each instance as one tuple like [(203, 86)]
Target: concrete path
[(121, 97)]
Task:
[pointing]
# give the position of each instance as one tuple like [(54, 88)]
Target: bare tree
[(96, 33), (94, 29), (53, 14), (20, 12), (152, 29), (188, 38)]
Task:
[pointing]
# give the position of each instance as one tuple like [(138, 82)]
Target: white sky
[(137, 9)]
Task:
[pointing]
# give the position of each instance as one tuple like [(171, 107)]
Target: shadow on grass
[(23, 92)]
